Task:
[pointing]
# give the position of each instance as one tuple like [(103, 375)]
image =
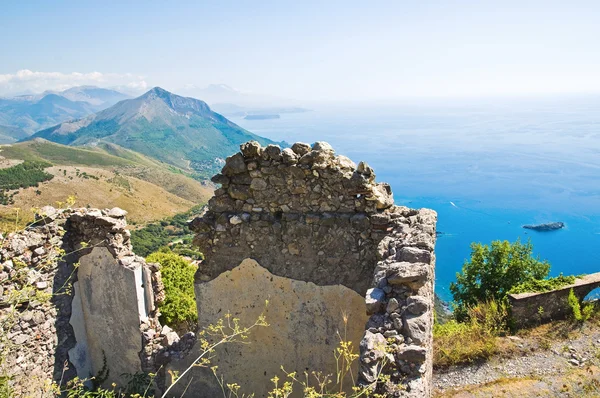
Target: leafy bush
[(179, 306), (579, 314), (543, 285), (493, 271), (149, 239)]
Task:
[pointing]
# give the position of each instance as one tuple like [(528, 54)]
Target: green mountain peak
[(178, 130)]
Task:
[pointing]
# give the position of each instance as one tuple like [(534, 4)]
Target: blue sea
[(486, 167)]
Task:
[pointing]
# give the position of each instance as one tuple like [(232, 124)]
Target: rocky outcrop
[(553, 226), (306, 214)]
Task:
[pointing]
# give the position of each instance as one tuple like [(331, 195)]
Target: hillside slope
[(105, 176), (9, 134), (181, 131), (559, 359)]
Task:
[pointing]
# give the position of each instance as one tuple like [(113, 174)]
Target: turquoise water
[(487, 169)]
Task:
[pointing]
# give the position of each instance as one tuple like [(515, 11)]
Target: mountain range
[(180, 131), (31, 113), (149, 155)]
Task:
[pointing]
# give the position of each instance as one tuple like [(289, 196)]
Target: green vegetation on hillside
[(480, 292), (24, 175), (62, 155), (154, 236), (113, 158)]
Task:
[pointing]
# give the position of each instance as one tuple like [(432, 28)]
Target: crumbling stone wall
[(306, 214), (38, 279), (302, 213), (535, 308), (398, 341)]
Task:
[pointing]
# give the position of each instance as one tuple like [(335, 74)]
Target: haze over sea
[(486, 167)]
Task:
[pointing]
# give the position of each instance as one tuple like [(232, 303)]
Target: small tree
[(492, 271)]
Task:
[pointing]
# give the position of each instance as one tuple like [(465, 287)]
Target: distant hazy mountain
[(99, 97), (47, 111), (10, 134), (38, 111), (231, 102), (181, 131), (222, 93)]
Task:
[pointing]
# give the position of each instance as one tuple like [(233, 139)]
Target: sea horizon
[(486, 168)]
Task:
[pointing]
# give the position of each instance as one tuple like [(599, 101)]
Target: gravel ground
[(561, 357)]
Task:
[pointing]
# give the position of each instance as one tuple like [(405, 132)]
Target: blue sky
[(324, 50)]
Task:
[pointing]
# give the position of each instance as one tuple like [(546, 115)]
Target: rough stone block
[(403, 272), (418, 327), (374, 300)]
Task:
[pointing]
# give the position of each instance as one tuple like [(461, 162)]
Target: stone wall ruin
[(534, 308), (308, 230), (305, 214), (74, 298)]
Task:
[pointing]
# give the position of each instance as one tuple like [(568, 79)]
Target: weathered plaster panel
[(109, 301), (79, 355), (304, 321)]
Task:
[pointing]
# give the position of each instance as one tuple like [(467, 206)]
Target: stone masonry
[(535, 308), (39, 303), (306, 214)]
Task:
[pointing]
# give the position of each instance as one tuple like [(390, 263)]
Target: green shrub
[(475, 339), (493, 271), (179, 306), (579, 314), (543, 285)]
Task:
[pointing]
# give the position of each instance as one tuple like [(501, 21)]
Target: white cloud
[(27, 81)]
